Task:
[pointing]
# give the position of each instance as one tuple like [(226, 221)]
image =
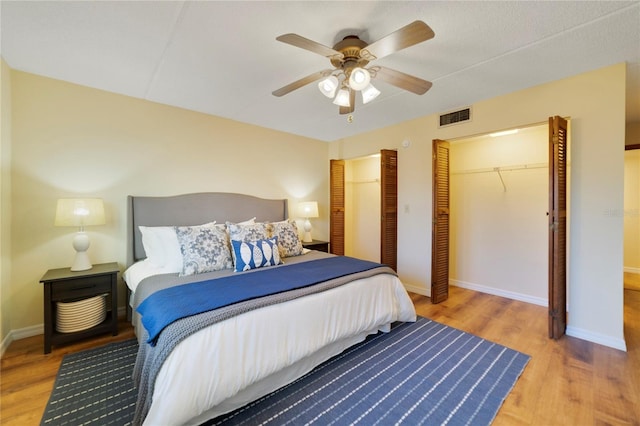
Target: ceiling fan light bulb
[(359, 78), (342, 99), (328, 86), (369, 93)]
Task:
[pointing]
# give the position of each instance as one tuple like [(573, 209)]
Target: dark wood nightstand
[(64, 285), (317, 245)]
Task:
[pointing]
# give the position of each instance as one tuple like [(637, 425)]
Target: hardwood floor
[(567, 382), (27, 374)]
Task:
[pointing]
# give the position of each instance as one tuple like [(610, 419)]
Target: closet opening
[(362, 208), (499, 199)]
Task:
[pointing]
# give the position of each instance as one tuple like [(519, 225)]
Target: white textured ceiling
[(222, 58)]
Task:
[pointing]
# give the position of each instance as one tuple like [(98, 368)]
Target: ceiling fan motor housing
[(350, 47)]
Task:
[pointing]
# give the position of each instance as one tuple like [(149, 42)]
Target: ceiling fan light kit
[(369, 93), (342, 98), (350, 56), (328, 86), (359, 78)]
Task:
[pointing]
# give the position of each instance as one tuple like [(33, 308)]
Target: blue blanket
[(171, 304)]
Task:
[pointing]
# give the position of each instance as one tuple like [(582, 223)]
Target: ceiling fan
[(350, 58)]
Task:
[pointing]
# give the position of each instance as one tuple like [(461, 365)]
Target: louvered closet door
[(336, 195), (389, 208), (557, 227), (440, 224)]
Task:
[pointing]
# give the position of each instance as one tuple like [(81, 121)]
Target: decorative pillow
[(251, 255), (248, 233), (248, 221), (204, 248), (289, 242), (161, 247)]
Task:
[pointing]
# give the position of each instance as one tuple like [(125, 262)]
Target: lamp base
[(81, 262), (81, 245), (307, 232)]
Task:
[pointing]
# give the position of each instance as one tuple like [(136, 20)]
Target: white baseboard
[(600, 339), (34, 330), (631, 270), (417, 289), (5, 344), (502, 293), (21, 333)]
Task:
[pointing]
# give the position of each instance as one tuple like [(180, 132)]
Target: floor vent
[(455, 117)]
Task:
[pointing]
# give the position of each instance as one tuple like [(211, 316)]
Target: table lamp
[(80, 212), (306, 210)]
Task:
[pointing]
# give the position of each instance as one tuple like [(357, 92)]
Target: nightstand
[(317, 245), (66, 286)]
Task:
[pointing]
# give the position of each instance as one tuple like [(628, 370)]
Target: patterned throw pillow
[(289, 242), (247, 233), (204, 248), (251, 255)]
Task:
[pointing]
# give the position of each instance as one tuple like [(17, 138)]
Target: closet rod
[(364, 181), (502, 169)]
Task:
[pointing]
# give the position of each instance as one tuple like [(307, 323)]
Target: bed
[(214, 354)]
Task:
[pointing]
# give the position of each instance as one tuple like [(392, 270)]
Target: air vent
[(455, 117)]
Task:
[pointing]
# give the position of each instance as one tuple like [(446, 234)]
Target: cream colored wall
[(70, 140), (5, 202), (498, 232), (632, 211), (362, 215), (595, 101)]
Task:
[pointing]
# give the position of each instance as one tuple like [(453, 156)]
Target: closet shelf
[(501, 169)]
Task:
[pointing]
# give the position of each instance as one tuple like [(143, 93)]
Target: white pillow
[(248, 222), (162, 247)]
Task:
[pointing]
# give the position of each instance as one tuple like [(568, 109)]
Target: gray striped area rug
[(94, 387), (419, 373)]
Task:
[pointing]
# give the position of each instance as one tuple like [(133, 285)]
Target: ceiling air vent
[(455, 117)]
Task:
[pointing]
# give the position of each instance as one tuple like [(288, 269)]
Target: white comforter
[(231, 363)]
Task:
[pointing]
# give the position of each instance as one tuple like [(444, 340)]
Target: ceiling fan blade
[(305, 43), (403, 81), (352, 103), (302, 82), (414, 33)]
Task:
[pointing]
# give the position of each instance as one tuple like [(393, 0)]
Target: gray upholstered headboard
[(195, 209)]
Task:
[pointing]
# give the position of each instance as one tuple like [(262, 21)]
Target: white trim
[(23, 333), (587, 335), (5, 344), (502, 293), (20, 333), (631, 270), (417, 289), (598, 338), (34, 330)]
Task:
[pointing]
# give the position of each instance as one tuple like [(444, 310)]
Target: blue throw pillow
[(251, 255)]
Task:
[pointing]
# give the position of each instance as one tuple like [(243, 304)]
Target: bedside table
[(317, 245), (64, 285)]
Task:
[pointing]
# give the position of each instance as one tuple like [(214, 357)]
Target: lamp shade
[(369, 93), (79, 212), (359, 78), (308, 209), (342, 98), (328, 86)]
